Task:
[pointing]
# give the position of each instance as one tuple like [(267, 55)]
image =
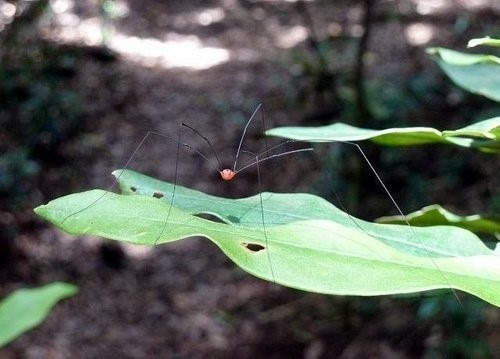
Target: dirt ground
[(186, 299)]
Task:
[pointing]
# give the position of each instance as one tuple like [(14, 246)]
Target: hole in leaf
[(233, 219), (133, 189), (253, 246), (158, 194), (209, 217)]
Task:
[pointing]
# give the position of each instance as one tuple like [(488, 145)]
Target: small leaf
[(436, 215), (486, 41), (24, 309), (307, 243)]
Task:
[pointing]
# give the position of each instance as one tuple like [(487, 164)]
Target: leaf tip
[(40, 210)]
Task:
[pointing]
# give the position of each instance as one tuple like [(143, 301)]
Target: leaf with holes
[(307, 243)]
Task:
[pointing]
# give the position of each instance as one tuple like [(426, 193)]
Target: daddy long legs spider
[(230, 173)]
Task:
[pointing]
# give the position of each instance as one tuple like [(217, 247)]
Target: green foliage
[(301, 240), (307, 243), (436, 215), (487, 41), (475, 73), (483, 135), (24, 309)]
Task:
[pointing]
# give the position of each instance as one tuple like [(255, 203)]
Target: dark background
[(82, 82)]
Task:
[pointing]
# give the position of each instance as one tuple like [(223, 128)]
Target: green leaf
[(24, 309), (457, 58), (486, 41), (487, 129), (436, 215), (475, 73), (307, 243), (483, 135)]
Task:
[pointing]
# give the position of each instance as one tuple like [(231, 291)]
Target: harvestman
[(228, 174)]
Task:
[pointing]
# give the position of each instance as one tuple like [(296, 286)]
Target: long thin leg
[(268, 150), (116, 178), (243, 136), (274, 156), (268, 250), (379, 179), (175, 184), (219, 167), (136, 150), (386, 190), (264, 129)]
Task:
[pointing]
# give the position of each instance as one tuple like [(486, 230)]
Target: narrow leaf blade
[(483, 135)]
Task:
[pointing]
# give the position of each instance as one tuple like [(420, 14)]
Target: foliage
[(301, 240), (24, 309), (436, 215), (306, 243), (270, 234), (484, 135), (470, 72), (476, 73)]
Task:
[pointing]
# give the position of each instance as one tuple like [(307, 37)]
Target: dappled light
[(427, 7), (419, 34), (177, 51), (172, 51), (204, 17), (7, 12), (291, 37)]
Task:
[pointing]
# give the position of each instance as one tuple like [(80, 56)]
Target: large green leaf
[(24, 309), (484, 135), (306, 242), (475, 73), (436, 215)]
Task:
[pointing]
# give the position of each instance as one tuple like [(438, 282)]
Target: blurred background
[(81, 82)]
